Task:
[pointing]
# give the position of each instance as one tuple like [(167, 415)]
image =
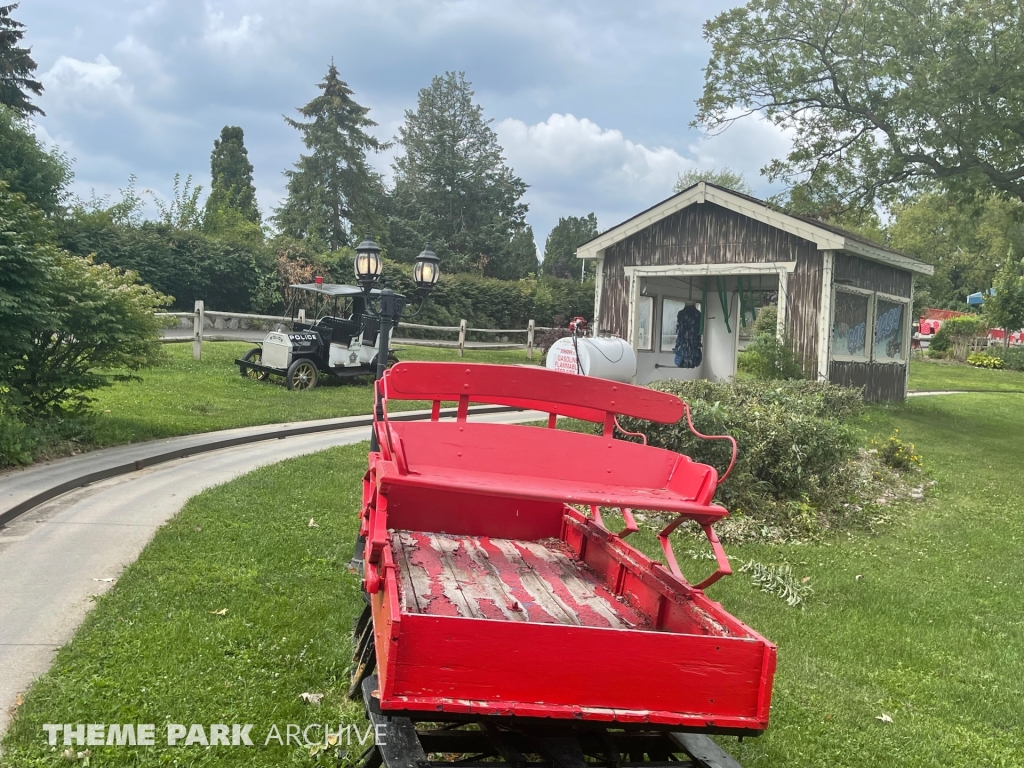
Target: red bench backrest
[(529, 387)]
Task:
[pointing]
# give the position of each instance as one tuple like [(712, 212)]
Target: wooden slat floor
[(503, 579)]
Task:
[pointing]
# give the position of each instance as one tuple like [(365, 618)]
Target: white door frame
[(781, 268)]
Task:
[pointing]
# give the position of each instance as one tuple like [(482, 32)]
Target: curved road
[(55, 557)]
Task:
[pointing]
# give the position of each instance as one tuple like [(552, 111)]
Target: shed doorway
[(714, 309)]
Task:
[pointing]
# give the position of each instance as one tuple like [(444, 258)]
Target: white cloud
[(89, 85), (574, 166), (568, 154), (746, 146), (141, 63), (233, 37)]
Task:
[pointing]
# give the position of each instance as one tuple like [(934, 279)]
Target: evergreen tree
[(560, 248), (16, 67), (231, 184), (521, 259), (452, 185), (332, 191)]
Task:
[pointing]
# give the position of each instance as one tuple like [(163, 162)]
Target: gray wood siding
[(880, 381), (803, 306), (706, 233), (861, 273)]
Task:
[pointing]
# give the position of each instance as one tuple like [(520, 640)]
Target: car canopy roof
[(334, 289)]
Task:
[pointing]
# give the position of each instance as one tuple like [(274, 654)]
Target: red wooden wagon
[(499, 608)]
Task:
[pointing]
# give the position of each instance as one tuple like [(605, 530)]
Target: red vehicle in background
[(505, 622)]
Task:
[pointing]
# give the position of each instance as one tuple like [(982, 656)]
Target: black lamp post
[(368, 268)]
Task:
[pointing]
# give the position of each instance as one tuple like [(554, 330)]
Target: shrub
[(956, 333), (1012, 357), (231, 275), (767, 320), (897, 454), (769, 359), (792, 437), (939, 345), (17, 444), (103, 319), (983, 360)]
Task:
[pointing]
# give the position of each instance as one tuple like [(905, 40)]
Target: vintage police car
[(332, 345)]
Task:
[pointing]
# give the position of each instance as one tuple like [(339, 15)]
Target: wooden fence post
[(198, 320), (462, 337), (529, 340)]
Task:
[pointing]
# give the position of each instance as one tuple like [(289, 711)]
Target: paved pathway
[(54, 558)]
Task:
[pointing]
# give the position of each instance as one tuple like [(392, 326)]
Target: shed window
[(850, 327), (669, 309), (889, 319), (645, 316)]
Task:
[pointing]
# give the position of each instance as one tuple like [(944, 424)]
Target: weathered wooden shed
[(844, 302)]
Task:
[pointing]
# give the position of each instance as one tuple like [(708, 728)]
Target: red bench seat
[(550, 465)]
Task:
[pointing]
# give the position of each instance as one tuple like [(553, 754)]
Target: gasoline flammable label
[(565, 361)]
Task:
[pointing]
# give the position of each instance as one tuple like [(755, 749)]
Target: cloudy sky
[(591, 99)]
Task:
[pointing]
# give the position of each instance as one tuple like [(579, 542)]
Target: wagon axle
[(496, 742)]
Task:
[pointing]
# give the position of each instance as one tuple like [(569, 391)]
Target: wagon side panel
[(469, 514), (387, 622), (448, 660)]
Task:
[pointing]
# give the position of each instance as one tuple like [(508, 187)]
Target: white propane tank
[(605, 357)]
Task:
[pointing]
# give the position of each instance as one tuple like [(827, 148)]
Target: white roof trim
[(701, 193), (697, 270)]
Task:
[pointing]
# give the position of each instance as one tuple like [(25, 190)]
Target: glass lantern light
[(427, 269), (368, 263)]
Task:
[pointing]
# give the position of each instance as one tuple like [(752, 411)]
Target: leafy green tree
[(231, 185), (1006, 308), (16, 67), (724, 177), (333, 193), (452, 186), (560, 248), (964, 237), (26, 167), (26, 262), (880, 97)]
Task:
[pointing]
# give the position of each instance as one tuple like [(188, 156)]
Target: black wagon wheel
[(392, 360), (364, 653), (301, 375), (253, 356)]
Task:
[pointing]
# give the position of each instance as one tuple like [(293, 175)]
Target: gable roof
[(825, 236)]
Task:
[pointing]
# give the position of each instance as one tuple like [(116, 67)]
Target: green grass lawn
[(931, 375), (921, 622), (185, 396)]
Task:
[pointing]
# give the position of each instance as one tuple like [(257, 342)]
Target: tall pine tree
[(16, 67), (452, 185), (560, 248), (333, 194), (231, 184)]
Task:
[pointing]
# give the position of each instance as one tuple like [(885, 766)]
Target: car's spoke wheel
[(253, 356), (301, 375)]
